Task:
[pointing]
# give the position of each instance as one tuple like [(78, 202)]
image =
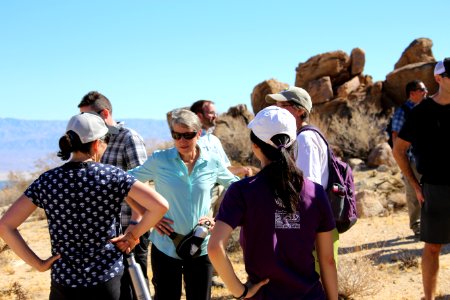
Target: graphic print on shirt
[(285, 220), (83, 206)]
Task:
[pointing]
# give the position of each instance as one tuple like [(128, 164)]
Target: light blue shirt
[(189, 195), (211, 143)]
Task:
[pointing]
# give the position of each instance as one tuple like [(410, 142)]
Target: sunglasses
[(445, 75), (185, 135)]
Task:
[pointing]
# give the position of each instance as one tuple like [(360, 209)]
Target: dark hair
[(96, 101), (71, 142), (305, 116), (284, 176), (197, 106), (412, 86)]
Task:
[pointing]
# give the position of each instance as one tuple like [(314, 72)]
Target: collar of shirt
[(207, 131), (203, 156), (115, 129)]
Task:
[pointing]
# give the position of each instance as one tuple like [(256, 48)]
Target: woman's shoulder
[(313, 190)]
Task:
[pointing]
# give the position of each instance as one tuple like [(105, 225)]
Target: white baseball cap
[(89, 127), (442, 66), (271, 121)]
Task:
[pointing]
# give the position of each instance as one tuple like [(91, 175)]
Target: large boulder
[(394, 85), (357, 61), (271, 86), (381, 155), (333, 64), (368, 204), (418, 51), (320, 90), (347, 88)]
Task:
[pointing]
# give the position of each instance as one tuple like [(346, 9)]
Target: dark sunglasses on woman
[(185, 135)]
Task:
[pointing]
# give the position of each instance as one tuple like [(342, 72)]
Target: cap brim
[(273, 98)]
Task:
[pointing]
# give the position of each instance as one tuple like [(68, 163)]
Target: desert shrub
[(357, 278), (235, 138), (407, 260), (355, 127), (16, 290)]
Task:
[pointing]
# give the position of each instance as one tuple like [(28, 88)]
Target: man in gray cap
[(312, 152), (427, 130)]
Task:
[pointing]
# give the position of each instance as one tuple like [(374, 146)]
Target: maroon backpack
[(340, 189)]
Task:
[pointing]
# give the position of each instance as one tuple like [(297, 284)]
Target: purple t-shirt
[(278, 245)]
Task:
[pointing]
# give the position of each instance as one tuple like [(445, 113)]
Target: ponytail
[(284, 176), (71, 142)]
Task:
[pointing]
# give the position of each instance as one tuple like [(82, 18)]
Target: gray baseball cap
[(294, 94)]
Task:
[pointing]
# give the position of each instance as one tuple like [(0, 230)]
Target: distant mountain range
[(24, 142)]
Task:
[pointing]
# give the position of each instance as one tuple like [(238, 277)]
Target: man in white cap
[(427, 130), (312, 152)]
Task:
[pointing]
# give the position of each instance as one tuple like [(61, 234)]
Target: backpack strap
[(330, 152), (315, 129)]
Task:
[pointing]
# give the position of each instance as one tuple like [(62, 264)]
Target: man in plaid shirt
[(416, 92), (126, 150)]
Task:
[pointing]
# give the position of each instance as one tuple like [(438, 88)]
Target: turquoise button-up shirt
[(189, 195)]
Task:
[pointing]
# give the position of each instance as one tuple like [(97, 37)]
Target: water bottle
[(337, 200), (201, 231), (338, 189), (137, 277)]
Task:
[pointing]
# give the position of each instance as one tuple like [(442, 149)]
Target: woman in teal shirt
[(184, 175)]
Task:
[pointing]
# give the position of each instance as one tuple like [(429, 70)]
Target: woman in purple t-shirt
[(283, 217)]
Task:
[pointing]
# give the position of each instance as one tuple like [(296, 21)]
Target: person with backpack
[(312, 150), (283, 216), (416, 92)]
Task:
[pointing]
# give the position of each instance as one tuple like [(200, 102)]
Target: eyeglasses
[(185, 135), (421, 89)]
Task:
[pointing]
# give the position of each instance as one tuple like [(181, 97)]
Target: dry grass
[(357, 278), (15, 291), (407, 260)]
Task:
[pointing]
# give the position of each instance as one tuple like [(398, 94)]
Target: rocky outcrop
[(418, 51), (271, 86), (320, 90), (333, 64), (394, 85), (357, 61)]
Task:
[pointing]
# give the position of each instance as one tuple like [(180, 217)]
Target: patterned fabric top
[(82, 203), (398, 120), (126, 150)]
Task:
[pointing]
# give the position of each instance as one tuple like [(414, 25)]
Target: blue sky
[(149, 57)]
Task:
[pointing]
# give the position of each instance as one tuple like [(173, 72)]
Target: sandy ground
[(378, 255)]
